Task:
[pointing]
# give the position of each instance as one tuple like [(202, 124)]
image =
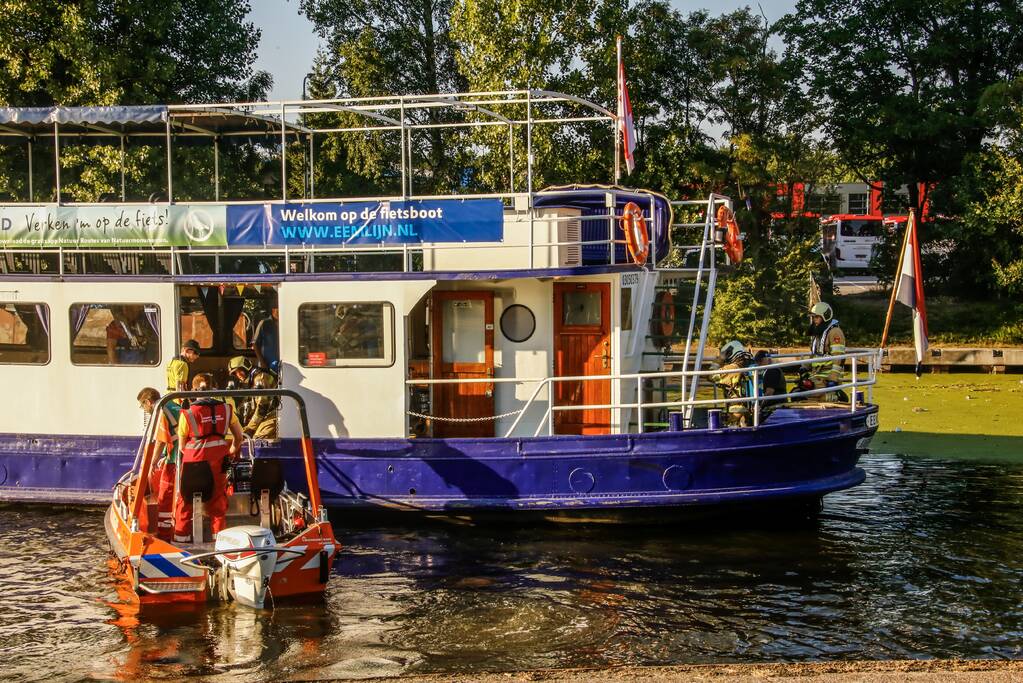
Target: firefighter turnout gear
[(735, 356), (826, 339), (262, 423)]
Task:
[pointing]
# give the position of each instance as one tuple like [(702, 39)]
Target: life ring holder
[(662, 325), (733, 239), (637, 239)]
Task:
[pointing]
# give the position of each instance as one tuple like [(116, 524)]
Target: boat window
[(626, 310), (863, 228), (581, 308), (518, 323), (463, 331), (115, 334), (24, 333), (346, 334), (199, 303)]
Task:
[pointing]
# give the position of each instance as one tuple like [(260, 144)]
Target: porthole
[(518, 323)]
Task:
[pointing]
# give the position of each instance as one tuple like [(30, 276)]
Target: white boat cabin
[(394, 317)]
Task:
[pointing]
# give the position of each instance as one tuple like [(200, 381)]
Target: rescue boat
[(278, 543)]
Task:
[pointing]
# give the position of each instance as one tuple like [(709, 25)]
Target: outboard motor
[(245, 575)]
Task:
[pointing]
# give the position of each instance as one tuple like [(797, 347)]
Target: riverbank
[(962, 416), (952, 670)]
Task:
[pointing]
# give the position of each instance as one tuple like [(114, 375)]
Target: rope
[(464, 419)]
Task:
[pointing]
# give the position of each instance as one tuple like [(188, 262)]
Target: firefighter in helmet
[(735, 356), (826, 339)]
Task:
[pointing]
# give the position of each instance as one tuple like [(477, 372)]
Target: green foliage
[(385, 47), (764, 301), (993, 221), (950, 321), (127, 52), (106, 52)]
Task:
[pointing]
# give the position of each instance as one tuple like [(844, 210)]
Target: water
[(923, 560)]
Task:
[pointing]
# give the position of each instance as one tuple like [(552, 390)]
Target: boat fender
[(637, 239), (733, 239)]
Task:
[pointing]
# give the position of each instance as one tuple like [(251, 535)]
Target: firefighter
[(240, 373), (262, 423), (826, 339), (204, 429), (734, 356), (177, 369)]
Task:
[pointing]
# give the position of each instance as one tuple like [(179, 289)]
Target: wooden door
[(582, 347), (463, 348)]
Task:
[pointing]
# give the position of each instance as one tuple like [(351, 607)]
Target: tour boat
[(530, 351), (277, 541)]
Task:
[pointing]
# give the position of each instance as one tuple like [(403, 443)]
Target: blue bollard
[(675, 423), (713, 419)]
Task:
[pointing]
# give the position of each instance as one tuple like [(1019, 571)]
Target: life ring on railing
[(637, 240), (663, 323), (733, 239)]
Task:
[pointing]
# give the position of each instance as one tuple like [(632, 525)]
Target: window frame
[(390, 348), (159, 335), (512, 307), (865, 203), (49, 334)]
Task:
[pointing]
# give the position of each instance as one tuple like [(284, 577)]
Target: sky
[(288, 43)]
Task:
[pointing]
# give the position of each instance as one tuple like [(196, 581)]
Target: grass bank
[(951, 416), (951, 322)]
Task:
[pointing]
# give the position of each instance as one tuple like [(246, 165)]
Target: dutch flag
[(910, 289), (625, 126)]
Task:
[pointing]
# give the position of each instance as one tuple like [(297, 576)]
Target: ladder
[(684, 303)]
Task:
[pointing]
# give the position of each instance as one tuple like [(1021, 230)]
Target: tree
[(127, 52), (106, 52), (900, 85), (387, 47)]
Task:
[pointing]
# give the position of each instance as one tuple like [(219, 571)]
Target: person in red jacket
[(203, 431)]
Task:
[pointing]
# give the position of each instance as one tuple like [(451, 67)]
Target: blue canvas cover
[(590, 200)]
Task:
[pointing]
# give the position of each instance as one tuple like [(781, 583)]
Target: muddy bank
[(952, 670)]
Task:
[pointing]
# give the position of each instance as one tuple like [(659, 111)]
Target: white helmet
[(729, 350), (823, 310)]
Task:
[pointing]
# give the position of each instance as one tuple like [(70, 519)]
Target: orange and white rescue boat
[(277, 542)]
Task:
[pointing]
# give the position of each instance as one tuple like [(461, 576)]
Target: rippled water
[(923, 560)]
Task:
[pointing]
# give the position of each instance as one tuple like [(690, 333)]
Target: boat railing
[(863, 368), (308, 122), (532, 250)]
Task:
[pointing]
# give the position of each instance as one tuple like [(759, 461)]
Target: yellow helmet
[(239, 363), (823, 310)]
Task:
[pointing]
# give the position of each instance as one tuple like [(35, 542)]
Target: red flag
[(910, 289), (625, 126)]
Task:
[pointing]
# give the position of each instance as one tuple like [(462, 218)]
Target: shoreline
[(958, 670)]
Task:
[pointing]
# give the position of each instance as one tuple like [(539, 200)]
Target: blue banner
[(343, 224)]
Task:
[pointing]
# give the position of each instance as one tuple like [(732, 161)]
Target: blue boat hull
[(797, 455)]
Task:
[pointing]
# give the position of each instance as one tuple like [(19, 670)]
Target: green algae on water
[(971, 416)]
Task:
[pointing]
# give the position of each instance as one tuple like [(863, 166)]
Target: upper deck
[(191, 215)]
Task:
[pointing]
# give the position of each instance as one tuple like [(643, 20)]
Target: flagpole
[(621, 104), (898, 272)]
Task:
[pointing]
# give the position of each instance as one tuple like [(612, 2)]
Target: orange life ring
[(733, 240), (663, 324), (637, 240)]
